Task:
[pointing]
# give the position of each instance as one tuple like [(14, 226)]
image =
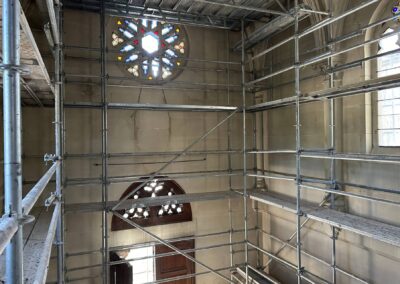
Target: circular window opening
[(153, 51)]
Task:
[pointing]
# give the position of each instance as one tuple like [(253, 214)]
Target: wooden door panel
[(175, 265)]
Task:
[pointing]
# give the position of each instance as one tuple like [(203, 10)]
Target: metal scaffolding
[(18, 208)]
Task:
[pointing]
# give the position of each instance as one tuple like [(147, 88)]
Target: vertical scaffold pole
[(58, 142), (246, 251), (12, 136), (332, 146), (298, 139), (104, 141)]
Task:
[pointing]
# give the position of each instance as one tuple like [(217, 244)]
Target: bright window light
[(143, 271), (389, 99), (152, 50), (150, 42)]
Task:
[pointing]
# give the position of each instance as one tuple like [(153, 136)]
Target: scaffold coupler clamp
[(22, 69), (51, 157), (301, 271), (53, 198), (26, 219), (50, 200)]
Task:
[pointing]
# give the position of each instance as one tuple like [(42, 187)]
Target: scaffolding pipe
[(97, 49), (321, 57), (332, 41), (330, 54), (33, 195), (140, 228), (9, 224), (217, 69), (56, 27), (53, 21), (244, 152), (229, 156), (344, 193), (184, 175), (152, 107), (8, 227), (155, 256), (177, 278), (286, 244), (326, 181), (145, 244), (356, 157), (187, 276), (332, 146), (314, 12), (12, 136), (104, 142), (353, 195), (60, 231), (155, 87), (332, 20), (44, 258), (169, 16), (359, 157), (297, 92), (262, 274), (293, 235), (383, 83), (280, 260), (157, 154), (243, 7)]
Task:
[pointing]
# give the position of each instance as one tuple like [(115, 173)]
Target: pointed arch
[(168, 213)]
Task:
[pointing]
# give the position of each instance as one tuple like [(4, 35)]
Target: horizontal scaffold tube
[(353, 195), (377, 84), (9, 224), (280, 260), (98, 49), (33, 195), (150, 154), (333, 41), (153, 201), (181, 175), (8, 227), (43, 266), (155, 256), (151, 243), (311, 256), (307, 179), (159, 107), (337, 156), (332, 20), (320, 57)]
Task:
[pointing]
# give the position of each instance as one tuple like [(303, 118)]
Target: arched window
[(152, 50), (170, 211), (389, 99)]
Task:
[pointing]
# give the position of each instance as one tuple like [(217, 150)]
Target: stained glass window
[(389, 99), (152, 50)]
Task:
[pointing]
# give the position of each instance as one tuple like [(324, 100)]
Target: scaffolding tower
[(17, 208)]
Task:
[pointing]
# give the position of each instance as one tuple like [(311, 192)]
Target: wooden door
[(121, 273), (175, 265)]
